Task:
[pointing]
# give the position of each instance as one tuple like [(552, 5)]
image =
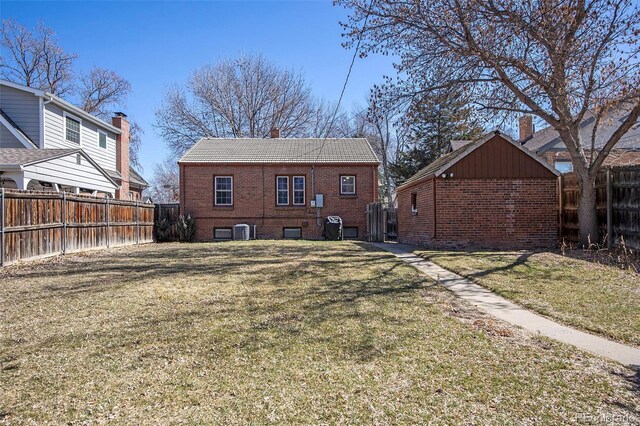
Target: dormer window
[(72, 129)]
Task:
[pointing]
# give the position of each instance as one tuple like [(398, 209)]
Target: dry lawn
[(599, 298), (277, 332)]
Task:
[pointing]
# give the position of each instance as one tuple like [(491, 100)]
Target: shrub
[(162, 230), (186, 228)]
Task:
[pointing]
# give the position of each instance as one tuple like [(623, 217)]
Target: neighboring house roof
[(548, 138), (15, 129), (22, 157), (440, 165), (281, 150), (136, 178), (453, 145), (26, 157), (63, 104)]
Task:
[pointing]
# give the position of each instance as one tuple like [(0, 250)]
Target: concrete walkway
[(514, 314)]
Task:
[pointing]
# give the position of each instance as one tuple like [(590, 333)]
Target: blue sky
[(156, 44)]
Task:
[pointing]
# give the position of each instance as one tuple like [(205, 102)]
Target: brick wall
[(416, 227), (483, 213), (254, 198)]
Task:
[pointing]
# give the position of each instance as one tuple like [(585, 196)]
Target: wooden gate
[(382, 223)]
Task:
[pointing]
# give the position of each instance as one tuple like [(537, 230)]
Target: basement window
[(220, 234), (292, 233), (350, 232)]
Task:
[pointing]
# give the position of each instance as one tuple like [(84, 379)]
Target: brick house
[(491, 193), (547, 143), (280, 187)]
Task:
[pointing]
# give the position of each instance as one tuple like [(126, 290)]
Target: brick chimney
[(275, 133), (122, 153), (525, 123)]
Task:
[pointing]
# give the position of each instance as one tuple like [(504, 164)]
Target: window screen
[(222, 233), (292, 233), (102, 140)]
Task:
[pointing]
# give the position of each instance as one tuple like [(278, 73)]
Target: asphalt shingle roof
[(23, 156), (549, 139), (281, 150)]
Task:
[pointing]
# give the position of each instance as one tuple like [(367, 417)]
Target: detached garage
[(491, 193)]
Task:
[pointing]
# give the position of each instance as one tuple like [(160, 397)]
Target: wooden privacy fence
[(618, 205), (36, 224), (169, 212), (382, 222)]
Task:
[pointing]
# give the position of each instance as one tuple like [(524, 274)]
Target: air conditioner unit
[(241, 232)]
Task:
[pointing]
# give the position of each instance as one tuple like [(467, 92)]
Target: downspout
[(313, 194)]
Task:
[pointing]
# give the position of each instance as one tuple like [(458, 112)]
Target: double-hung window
[(298, 191), (290, 190), (347, 185), (72, 129), (282, 186), (224, 190)]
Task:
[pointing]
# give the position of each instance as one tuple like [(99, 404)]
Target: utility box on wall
[(318, 202)]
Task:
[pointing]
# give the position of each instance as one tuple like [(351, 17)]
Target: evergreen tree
[(433, 122)]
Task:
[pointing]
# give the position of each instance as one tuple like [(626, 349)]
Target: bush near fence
[(618, 206), (35, 224)]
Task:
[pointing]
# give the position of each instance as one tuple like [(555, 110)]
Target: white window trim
[(304, 191), (215, 190), (354, 185), (278, 191), (106, 138), (65, 114)]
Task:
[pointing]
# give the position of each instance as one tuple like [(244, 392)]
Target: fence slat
[(35, 224), (2, 212), (618, 205)]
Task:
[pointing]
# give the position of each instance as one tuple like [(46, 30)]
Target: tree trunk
[(587, 213)]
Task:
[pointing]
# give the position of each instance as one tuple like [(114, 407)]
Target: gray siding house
[(47, 143)]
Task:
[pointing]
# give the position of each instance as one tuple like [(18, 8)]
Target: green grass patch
[(275, 332)]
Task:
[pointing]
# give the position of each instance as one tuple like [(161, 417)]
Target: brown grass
[(595, 297), (275, 332)]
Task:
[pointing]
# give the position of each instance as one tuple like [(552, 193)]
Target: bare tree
[(560, 60), (245, 97), (101, 90), (165, 183), (35, 59)]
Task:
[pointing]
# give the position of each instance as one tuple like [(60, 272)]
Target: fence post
[(64, 222), (609, 208), (137, 225), (560, 209), (2, 228), (107, 211)]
